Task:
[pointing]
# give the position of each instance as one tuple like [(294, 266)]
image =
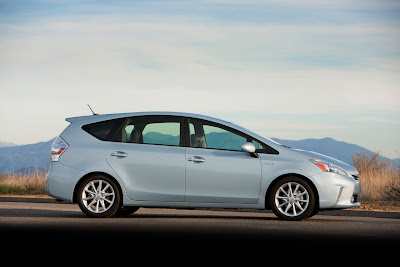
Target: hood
[(347, 167)]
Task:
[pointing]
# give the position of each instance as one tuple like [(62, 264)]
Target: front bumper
[(337, 191)]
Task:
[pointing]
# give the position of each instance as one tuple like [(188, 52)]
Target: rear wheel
[(98, 196), (292, 199)]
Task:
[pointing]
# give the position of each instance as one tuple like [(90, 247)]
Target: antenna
[(92, 110)]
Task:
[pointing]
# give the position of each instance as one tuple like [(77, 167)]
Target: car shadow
[(43, 213), (27, 199), (37, 213), (347, 213), (199, 216)]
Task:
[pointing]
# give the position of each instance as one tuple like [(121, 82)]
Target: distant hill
[(26, 158), (6, 144)]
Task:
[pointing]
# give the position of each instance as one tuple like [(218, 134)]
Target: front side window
[(204, 134), (155, 130), (207, 135)]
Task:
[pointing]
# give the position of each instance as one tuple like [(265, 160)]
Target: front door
[(216, 170)]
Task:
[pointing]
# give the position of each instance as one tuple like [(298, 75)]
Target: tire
[(98, 196), (292, 199)]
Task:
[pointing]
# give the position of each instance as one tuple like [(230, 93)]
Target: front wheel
[(98, 196), (292, 199)]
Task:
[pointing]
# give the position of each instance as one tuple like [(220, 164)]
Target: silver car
[(116, 163)]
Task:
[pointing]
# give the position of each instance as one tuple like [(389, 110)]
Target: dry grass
[(22, 183), (380, 181)]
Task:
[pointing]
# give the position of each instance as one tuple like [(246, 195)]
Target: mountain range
[(25, 158), (6, 144)]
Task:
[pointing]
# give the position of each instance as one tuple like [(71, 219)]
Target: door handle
[(196, 159), (119, 154)]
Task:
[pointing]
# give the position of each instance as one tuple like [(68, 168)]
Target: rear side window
[(163, 133), (104, 130), (152, 130)]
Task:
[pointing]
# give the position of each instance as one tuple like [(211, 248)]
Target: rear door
[(149, 158)]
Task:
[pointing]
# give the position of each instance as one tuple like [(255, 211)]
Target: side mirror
[(250, 148)]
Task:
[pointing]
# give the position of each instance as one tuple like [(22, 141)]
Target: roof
[(95, 118)]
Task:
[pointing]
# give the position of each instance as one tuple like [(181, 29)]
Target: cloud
[(374, 119), (179, 46), (163, 60)]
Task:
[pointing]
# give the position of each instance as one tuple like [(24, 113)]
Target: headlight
[(329, 167)]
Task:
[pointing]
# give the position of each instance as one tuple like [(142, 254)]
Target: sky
[(287, 69)]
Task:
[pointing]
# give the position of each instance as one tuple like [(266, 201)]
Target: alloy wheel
[(292, 199), (98, 196)]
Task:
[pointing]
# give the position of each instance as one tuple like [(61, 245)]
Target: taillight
[(57, 148)]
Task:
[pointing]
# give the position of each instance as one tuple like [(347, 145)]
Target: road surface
[(54, 222)]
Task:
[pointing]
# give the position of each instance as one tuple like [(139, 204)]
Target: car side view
[(116, 163)]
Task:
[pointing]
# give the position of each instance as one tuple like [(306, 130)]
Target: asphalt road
[(53, 222)]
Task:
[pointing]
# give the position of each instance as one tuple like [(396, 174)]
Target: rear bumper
[(61, 180)]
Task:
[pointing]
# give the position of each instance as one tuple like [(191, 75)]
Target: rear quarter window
[(104, 130)]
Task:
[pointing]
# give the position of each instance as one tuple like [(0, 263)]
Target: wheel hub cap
[(98, 196), (291, 199)]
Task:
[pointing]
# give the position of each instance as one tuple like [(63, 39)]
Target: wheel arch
[(74, 196), (316, 208)]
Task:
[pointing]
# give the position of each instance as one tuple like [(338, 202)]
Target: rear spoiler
[(70, 120)]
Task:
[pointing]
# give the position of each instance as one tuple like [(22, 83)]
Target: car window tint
[(104, 130), (164, 133), (260, 148), (222, 139), (155, 130), (212, 136)]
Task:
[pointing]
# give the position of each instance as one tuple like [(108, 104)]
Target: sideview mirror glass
[(248, 147)]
